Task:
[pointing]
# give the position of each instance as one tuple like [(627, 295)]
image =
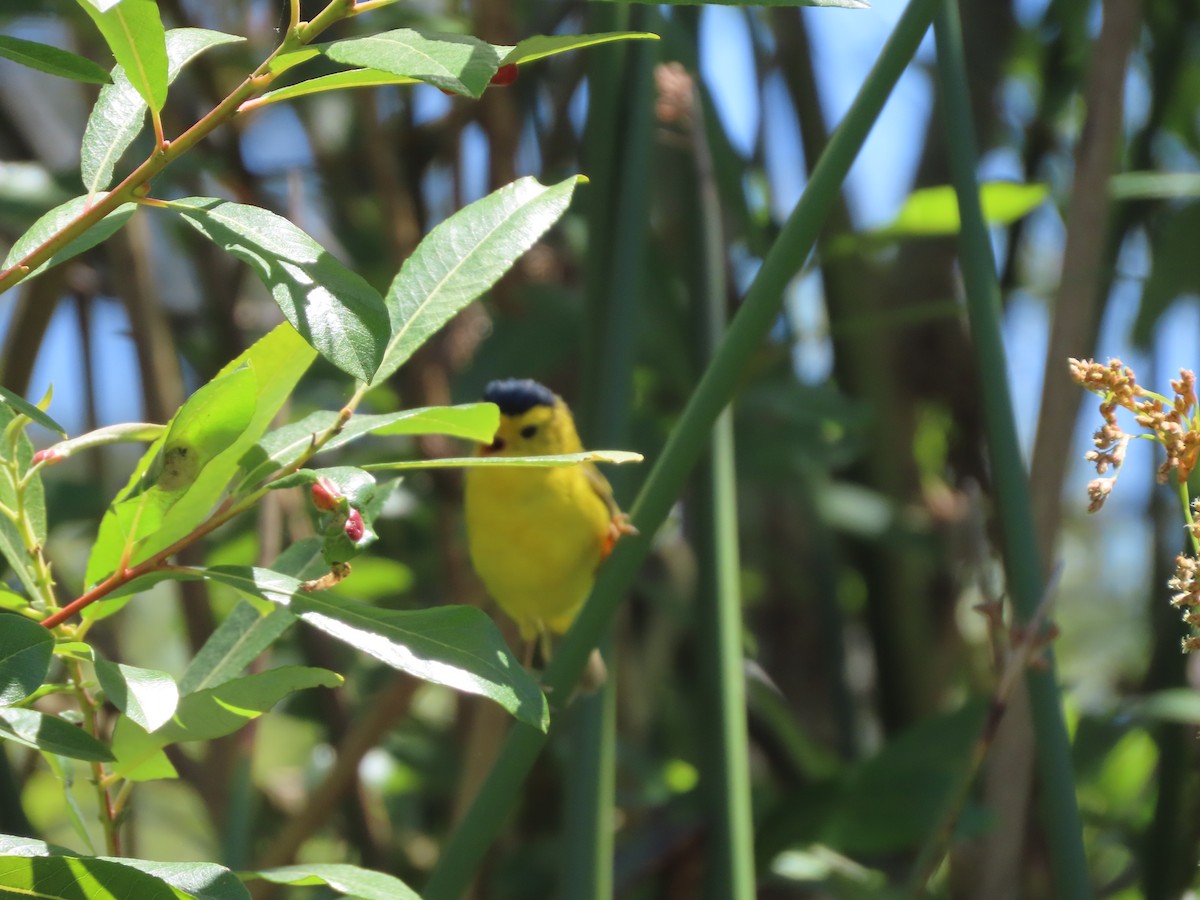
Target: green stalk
[(1019, 540), (726, 774), (689, 439), (618, 159)]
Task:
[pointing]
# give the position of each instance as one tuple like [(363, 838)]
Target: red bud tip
[(325, 495), (505, 75), (354, 526), (49, 456)]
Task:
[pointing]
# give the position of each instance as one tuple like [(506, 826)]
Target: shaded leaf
[(53, 60), (50, 734), (55, 221), (463, 257), (333, 308), (458, 646), (134, 33), (351, 881), (25, 408), (120, 111), (839, 4), (25, 652), (243, 635)]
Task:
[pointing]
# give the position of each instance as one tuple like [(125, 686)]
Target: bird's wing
[(603, 489)]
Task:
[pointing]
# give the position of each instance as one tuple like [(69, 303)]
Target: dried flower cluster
[(1170, 422), (1174, 423)]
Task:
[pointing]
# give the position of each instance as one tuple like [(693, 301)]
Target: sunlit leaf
[(55, 221), (12, 541), (459, 63), (553, 461), (147, 696), (463, 257), (458, 646), (120, 111), (332, 307), (541, 46), (72, 878), (934, 211), (134, 33)]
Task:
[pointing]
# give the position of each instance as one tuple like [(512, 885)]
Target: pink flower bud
[(49, 456), (354, 526), (325, 495)]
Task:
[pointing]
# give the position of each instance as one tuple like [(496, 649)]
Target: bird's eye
[(529, 431)]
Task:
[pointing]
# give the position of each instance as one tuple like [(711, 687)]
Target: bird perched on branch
[(537, 535)]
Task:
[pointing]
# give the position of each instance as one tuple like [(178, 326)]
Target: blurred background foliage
[(863, 489)]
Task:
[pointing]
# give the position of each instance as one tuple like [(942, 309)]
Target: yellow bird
[(537, 535)]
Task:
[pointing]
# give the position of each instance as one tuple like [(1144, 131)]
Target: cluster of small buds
[(1170, 422), (1185, 595)]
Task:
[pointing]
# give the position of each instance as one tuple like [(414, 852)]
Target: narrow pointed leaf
[(53, 60), (12, 544), (463, 257), (458, 646), (134, 33), (333, 308), (543, 45), (25, 408), (471, 421), (55, 221), (25, 652), (120, 111), (554, 461)]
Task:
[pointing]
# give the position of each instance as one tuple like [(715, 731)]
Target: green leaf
[(283, 446), (527, 51), (205, 427), (25, 408), (102, 437), (1173, 270), (277, 361), (351, 881), (555, 461), (209, 714), (12, 545), (50, 734), (541, 46), (147, 696), (55, 221), (463, 257), (75, 878), (334, 309), (53, 60), (458, 646), (1180, 705), (244, 634), (334, 81), (120, 110), (934, 211), (25, 652), (458, 63), (134, 33)]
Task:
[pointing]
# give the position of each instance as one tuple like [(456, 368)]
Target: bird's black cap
[(517, 395)]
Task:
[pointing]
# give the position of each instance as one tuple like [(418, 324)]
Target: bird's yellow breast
[(536, 537)]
